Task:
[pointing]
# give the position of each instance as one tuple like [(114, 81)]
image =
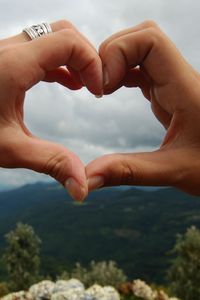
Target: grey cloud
[(123, 119), (120, 122)]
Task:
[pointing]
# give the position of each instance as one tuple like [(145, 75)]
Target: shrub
[(22, 256), (102, 273), (184, 273), (3, 289)]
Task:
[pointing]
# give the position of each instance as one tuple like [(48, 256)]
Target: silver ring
[(36, 31)]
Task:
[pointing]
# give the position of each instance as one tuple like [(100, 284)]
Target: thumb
[(54, 160), (156, 168)]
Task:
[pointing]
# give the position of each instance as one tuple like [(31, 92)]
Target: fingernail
[(77, 192), (105, 77), (99, 96), (95, 182)]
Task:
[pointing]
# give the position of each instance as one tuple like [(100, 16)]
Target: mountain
[(135, 227)]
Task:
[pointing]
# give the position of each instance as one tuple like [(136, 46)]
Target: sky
[(121, 122)]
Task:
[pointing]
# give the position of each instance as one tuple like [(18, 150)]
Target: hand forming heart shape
[(142, 57)]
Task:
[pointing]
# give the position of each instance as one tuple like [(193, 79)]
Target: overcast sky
[(119, 122)]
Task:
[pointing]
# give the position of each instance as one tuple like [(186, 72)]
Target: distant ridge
[(133, 226)]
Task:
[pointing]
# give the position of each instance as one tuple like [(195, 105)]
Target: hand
[(23, 63), (144, 57)]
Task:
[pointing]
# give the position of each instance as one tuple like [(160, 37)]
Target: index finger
[(145, 45), (55, 26), (62, 48)]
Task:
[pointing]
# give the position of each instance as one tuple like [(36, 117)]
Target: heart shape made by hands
[(142, 57)]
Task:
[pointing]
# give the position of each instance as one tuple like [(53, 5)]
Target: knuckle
[(155, 35), (68, 33), (102, 47), (57, 166), (153, 31), (110, 47), (65, 24), (107, 44), (150, 23), (130, 174), (122, 171), (91, 62)]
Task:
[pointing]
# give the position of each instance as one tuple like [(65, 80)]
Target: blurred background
[(121, 122)]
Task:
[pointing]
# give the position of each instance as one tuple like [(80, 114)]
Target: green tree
[(184, 273), (3, 289), (103, 273), (22, 256)]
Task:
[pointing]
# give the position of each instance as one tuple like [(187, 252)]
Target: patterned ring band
[(38, 30)]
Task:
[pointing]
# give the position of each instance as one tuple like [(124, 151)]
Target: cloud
[(122, 122)]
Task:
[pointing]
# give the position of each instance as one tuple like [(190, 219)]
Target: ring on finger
[(36, 31)]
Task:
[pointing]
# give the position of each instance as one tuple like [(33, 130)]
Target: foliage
[(184, 273), (102, 273), (3, 289), (130, 297), (117, 224), (22, 256)]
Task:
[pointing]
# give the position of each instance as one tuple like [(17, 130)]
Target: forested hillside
[(136, 228)]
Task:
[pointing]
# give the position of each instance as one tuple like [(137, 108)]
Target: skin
[(144, 57), (24, 63)]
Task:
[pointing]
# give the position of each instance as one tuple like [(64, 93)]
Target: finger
[(55, 26), (135, 78), (76, 75), (64, 77), (149, 48), (113, 37), (143, 169), (49, 158), (64, 24), (162, 116), (60, 49), (138, 78)]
